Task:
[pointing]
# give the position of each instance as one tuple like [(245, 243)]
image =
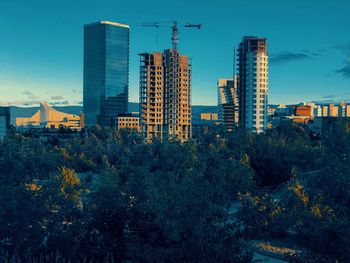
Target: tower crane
[(175, 29)]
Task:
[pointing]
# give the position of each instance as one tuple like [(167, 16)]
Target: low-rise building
[(49, 118), (209, 116), (127, 121), (298, 119), (303, 110), (271, 110), (283, 110)]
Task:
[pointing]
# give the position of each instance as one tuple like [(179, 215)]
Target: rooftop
[(108, 23)]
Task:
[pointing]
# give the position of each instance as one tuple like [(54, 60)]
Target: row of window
[(262, 96), (251, 107)]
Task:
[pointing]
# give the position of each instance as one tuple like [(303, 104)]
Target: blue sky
[(41, 45)]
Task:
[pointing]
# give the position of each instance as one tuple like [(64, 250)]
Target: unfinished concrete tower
[(152, 95), (165, 95)]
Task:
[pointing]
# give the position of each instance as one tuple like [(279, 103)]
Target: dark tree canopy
[(108, 196)]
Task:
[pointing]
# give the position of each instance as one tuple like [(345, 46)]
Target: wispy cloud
[(314, 53), (334, 98), (24, 103), (344, 71), (287, 57), (77, 91), (322, 101), (344, 47), (26, 92), (329, 96), (329, 101), (61, 103), (322, 51), (35, 103), (335, 101), (56, 97), (4, 103), (29, 95)]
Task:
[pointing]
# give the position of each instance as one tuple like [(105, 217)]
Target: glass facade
[(4, 121), (106, 72)]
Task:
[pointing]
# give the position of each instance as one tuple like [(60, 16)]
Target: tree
[(69, 183)]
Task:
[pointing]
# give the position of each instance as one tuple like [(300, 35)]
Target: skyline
[(309, 56)]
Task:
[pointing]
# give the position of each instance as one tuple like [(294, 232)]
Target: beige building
[(333, 110), (128, 121), (165, 95), (48, 117), (325, 111), (344, 109), (208, 116)]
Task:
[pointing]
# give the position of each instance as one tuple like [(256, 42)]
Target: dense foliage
[(107, 196)]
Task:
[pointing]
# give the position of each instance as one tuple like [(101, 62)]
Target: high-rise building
[(342, 109), (228, 102), (253, 83), (165, 95), (4, 121), (317, 111), (347, 111), (106, 72), (333, 110), (325, 111)]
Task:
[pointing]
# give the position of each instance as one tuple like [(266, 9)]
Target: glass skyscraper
[(4, 121), (106, 71)]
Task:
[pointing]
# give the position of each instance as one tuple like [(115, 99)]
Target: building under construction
[(165, 95)]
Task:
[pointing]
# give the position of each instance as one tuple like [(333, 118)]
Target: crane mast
[(175, 36), (174, 28)]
